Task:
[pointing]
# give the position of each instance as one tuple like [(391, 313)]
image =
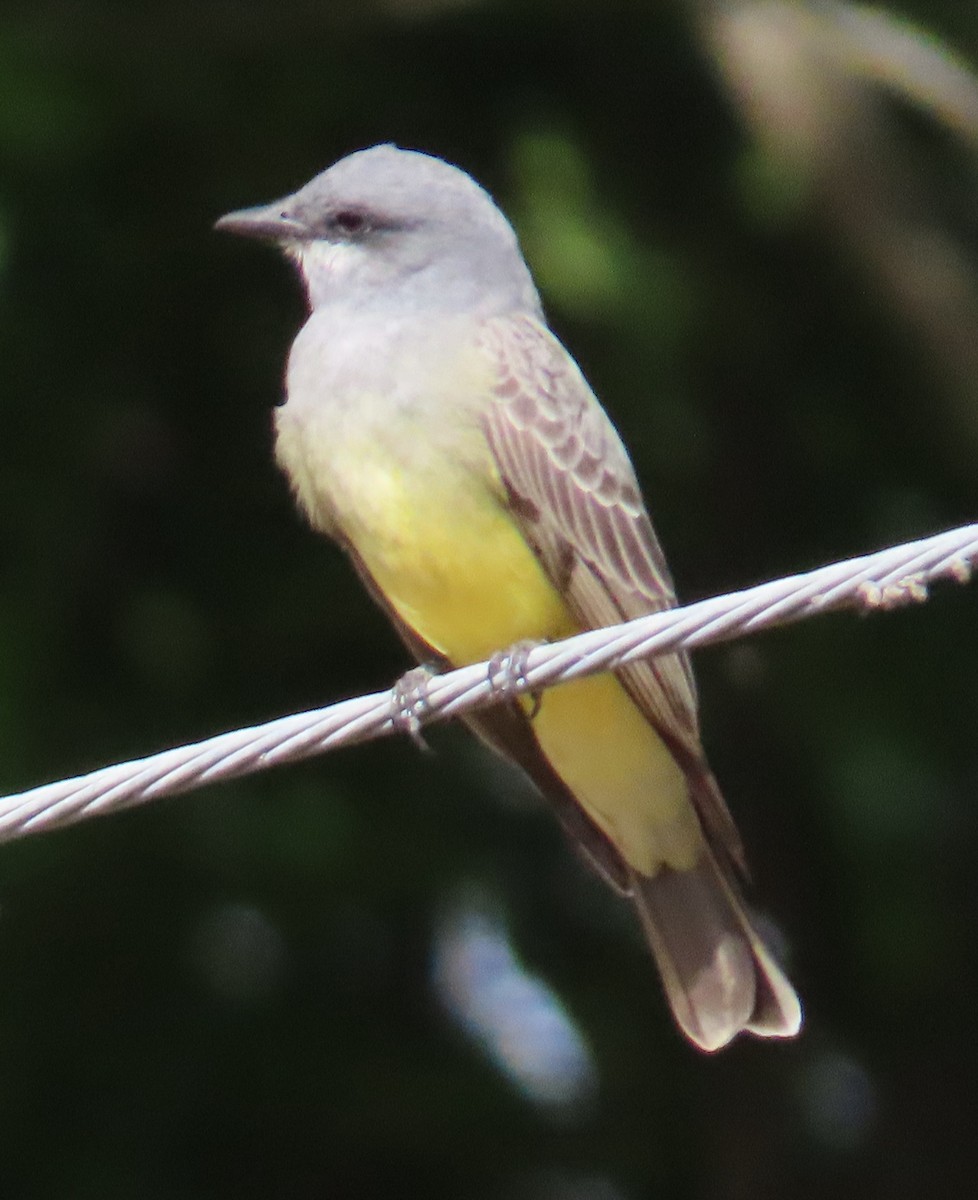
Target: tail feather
[(719, 976)]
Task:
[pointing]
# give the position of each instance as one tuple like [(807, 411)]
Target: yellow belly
[(462, 575), (450, 559)]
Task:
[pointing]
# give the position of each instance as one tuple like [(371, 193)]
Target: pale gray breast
[(370, 394)]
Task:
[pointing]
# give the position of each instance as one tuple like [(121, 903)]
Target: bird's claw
[(507, 673), (410, 704)]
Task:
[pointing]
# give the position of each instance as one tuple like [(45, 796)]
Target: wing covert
[(570, 483)]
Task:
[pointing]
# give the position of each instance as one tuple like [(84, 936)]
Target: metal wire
[(887, 579)]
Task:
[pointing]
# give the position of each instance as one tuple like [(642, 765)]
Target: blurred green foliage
[(231, 994)]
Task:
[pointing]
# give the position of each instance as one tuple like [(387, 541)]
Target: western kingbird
[(436, 429)]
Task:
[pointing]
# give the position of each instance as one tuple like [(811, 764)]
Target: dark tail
[(719, 976)]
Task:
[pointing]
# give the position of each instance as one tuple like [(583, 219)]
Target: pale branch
[(889, 578)]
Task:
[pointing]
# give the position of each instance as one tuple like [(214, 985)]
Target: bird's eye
[(350, 222)]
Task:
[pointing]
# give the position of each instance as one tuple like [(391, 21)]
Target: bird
[(437, 430)]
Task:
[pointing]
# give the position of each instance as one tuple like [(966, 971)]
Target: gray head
[(385, 228)]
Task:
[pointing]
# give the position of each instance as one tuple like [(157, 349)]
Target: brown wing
[(571, 485)]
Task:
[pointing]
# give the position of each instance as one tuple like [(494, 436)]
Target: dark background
[(382, 973)]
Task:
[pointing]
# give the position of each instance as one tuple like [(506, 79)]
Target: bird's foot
[(507, 673), (410, 704)]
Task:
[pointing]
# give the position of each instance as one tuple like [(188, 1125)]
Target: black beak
[(267, 223)]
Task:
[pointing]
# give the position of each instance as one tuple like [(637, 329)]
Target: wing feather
[(572, 487)]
